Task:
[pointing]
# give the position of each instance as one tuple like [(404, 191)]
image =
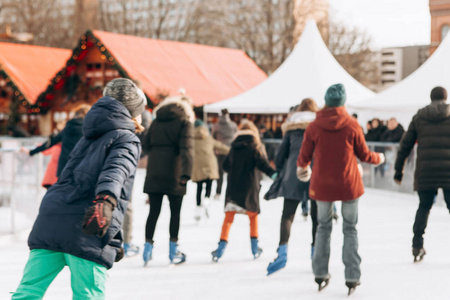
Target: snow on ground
[(385, 232)]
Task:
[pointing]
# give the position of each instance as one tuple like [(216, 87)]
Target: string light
[(103, 57), (83, 47)]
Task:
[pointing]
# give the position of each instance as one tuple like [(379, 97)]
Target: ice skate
[(176, 257), (418, 254), (217, 197), (147, 254), (130, 250), (305, 215), (322, 282), (280, 261), (352, 286), (216, 254), (255, 248), (198, 213)]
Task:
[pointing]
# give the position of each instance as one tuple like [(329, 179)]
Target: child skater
[(243, 165), (80, 218)]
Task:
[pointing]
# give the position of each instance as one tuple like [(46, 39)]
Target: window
[(444, 30)]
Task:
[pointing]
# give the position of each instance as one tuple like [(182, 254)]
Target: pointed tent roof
[(404, 98), (30, 68), (308, 71)]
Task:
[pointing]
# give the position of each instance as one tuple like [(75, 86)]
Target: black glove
[(398, 177), (120, 254), (98, 217)]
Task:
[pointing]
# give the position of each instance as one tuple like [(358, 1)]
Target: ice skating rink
[(385, 233)]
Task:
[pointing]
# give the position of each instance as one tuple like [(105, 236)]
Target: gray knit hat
[(126, 92)]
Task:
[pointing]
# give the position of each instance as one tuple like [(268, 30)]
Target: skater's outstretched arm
[(406, 145), (363, 152), (283, 152), (307, 150)]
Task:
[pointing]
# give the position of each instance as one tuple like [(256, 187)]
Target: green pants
[(87, 277)]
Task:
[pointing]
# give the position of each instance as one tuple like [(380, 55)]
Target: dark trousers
[(289, 209), (220, 159), (426, 199), (200, 188), (155, 209)]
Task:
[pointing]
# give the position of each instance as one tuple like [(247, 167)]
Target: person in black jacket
[(68, 137), (243, 164), (393, 133), (430, 128), (170, 147), (287, 184), (80, 218)]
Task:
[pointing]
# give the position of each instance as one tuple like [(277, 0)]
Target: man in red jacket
[(335, 140)]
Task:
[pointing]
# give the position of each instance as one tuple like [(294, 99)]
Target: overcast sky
[(388, 22)]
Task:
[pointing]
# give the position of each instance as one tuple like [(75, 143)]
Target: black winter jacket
[(170, 147), (430, 128), (242, 164), (393, 136), (287, 184), (68, 137), (104, 160), (374, 135)]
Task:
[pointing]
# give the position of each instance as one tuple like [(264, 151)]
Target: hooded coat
[(243, 164), (68, 137), (287, 184), (205, 161), (170, 147), (335, 140), (104, 161), (224, 130), (430, 128)]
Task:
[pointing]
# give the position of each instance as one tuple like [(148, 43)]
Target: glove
[(360, 169), (97, 218), (304, 174), (398, 177), (274, 175), (382, 159), (120, 254)]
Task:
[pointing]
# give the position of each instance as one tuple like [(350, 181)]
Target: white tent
[(308, 71), (404, 99)]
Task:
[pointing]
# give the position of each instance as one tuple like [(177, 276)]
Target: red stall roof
[(208, 74), (30, 68)]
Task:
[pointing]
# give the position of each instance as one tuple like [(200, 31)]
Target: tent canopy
[(31, 68), (405, 98), (208, 74), (307, 73)]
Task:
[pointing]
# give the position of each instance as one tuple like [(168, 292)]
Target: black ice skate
[(322, 281), (418, 254), (352, 286)]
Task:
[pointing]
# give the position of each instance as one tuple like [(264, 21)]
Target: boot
[(147, 254), (176, 257), (418, 254), (255, 249), (280, 261), (130, 249), (216, 254)]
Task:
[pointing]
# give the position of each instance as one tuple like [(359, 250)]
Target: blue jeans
[(427, 198), (350, 256)]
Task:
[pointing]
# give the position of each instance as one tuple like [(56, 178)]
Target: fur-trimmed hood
[(163, 110), (201, 132), (298, 120)]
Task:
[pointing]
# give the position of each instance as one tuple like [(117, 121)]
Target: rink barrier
[(20, 183)]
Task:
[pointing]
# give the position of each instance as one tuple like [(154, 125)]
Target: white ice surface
[(385, 232)]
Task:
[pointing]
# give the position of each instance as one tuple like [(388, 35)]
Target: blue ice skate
[(176, 257), (130, 249), (216, 254), (147, 254), (280, 261), (255, 249)]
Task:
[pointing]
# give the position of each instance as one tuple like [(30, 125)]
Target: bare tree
[(352, 49)]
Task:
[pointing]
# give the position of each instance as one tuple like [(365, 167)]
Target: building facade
[(399, 62), (440, 22)]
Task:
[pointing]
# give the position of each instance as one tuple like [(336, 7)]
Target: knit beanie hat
[(126, 92), (198, 123), (335, 95)]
